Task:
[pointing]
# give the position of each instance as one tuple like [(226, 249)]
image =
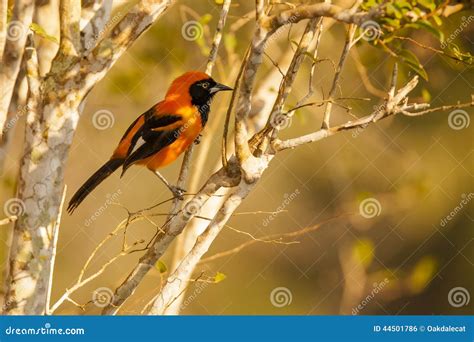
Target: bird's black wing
[(152, 137), (146, 132)]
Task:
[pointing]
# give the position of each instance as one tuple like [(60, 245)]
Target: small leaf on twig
[(161, 266), (38, 30), (219, 277)]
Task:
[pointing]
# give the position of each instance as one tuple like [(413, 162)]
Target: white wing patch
[(138, 144)]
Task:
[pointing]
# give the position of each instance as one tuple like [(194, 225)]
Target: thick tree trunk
[(49, 131)]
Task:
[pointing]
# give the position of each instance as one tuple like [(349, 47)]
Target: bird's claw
[(177, 192), (197, 141)]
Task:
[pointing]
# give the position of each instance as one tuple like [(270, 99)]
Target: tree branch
[(275, 118), (69, 17), (17, 30), (347, 46), (172, 228), (3, 25), (172, 288), (325, 9), (122, 36)]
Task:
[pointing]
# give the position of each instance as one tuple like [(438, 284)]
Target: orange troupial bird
[(158, 136)]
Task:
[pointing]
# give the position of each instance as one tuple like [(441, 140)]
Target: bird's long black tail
[(106, 170)]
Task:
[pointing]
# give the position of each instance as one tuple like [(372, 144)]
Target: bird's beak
[(219, 87)]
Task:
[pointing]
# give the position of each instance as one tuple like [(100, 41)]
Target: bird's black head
[(202, 91)]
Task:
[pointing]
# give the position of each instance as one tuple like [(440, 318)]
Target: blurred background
[(378, 199)]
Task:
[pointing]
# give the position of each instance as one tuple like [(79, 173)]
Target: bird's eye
[(205, 85)]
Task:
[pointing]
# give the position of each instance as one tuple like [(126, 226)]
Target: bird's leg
[(177, 191)]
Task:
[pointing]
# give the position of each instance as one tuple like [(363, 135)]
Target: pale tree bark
[(3, 25), (47, 17), (50, 129), (15, 34)]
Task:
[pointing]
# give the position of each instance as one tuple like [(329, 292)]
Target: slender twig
[(335, 83), (269, 238)]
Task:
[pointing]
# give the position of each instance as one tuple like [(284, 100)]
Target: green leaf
[(363, 251), (230, 42), (426, 95), (437, 20), (38, 30), (422, 273), (161, 266), (205, 19), (394, 11), (430, 4), (219, 277), (427, 26), (411, 60)]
